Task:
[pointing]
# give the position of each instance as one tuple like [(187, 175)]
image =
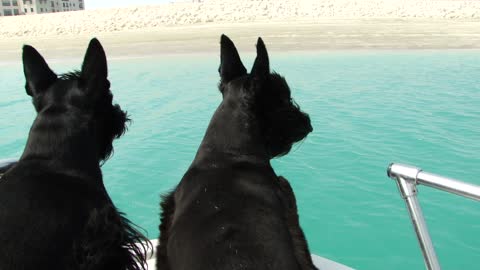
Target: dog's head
[(81, 98), (265, 96)]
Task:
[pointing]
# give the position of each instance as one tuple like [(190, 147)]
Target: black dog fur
[(230, 210), (55, 212)]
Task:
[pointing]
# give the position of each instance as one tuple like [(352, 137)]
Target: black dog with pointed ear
[(284, 122), (54, 210), (39, 76), (230, 210)]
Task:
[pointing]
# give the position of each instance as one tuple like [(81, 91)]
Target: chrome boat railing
[(408, 178)]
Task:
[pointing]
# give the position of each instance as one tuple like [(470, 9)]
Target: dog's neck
[(232, 134), (60, 143)]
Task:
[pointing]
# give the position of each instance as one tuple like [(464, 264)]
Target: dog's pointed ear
[(95, 62), (38, 74), (95, 69), (231, 65), (261, 66)]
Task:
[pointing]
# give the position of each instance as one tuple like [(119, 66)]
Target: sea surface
[(368, 109)]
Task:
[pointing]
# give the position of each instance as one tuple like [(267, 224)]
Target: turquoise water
[(368, 109)]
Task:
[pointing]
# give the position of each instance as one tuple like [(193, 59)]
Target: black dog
[(55, 213), (231, 211)]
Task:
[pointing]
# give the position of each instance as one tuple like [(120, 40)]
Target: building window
[(16, 12), (6, 3), (41, 10), (31, 9), (7, 12), (15, 3), (26, 10), (53, 4)]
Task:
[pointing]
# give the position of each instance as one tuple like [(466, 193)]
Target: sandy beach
[(286, 24)]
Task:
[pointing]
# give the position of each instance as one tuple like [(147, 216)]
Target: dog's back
[(42, 216), (230, 219)]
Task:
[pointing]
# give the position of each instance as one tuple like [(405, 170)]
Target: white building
[(26, 7), (10, 7)]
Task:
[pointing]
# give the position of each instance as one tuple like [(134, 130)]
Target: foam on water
[(368, 109)]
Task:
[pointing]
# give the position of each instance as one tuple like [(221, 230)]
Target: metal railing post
[(406, 178)]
